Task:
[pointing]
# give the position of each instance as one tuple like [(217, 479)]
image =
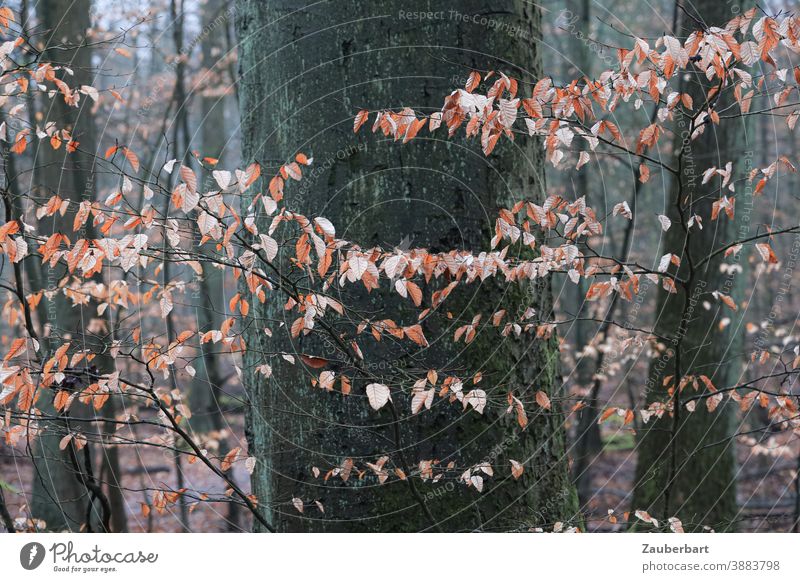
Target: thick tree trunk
[(686, 463), (304, 73)]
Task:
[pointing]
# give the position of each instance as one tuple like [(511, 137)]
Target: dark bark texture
[(304, 73), (686, 466)]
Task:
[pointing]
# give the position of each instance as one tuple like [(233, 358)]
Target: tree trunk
[(304, 73), (58, 496), (588, 441), (686, 464), (206, 398), (210, 302)]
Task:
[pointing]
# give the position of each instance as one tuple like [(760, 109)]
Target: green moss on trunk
[(304, 74)]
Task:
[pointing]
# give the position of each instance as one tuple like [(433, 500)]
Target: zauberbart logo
[(31, 555)]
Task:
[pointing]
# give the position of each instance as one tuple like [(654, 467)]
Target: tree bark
[(686, 464), (58, 496), (304, 73)]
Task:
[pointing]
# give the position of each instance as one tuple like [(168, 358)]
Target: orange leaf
[(360, 120), (346, 385), (516, 469), (606, 414), (132, 158), (16, 348), (414, 292), (19, 145), (543, 400), (415, 334), (229, 459), (314, 361), (61, 400)]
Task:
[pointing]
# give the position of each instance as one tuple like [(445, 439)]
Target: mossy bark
[(304, 73)]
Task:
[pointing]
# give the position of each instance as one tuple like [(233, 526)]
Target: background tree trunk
[(207, 393), (686, 465), (588, 441), (58, 496), (210, 305), (304, 73)]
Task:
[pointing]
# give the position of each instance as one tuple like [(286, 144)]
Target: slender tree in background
[(587, 438), (206, 393), (589, 371), (59, 498), (686, 463), (68, 490), (303, 74), (217, 79)]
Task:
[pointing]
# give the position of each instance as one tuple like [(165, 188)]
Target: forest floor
[(765, 488)]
